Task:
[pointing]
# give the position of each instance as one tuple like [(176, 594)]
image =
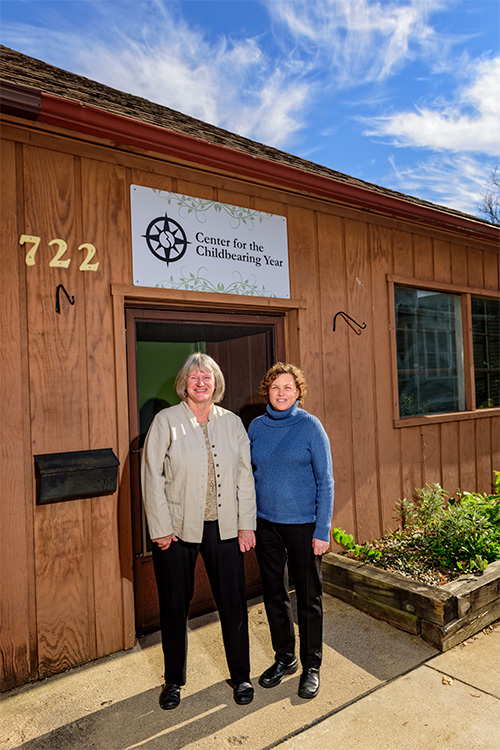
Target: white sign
[(181, 242)]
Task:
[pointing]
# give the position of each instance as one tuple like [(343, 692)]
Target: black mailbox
[(75, 475)]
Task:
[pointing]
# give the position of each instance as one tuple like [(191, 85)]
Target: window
[(430, 351), (486, 345)]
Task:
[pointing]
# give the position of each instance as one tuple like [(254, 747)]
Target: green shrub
[(440, 537)]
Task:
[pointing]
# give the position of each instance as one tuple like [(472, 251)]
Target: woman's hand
[(164, 541), (246, 540), (320, 547)]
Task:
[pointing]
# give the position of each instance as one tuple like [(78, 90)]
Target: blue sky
[(403, 93)]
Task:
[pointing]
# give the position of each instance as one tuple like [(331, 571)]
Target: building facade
[(392, 312)]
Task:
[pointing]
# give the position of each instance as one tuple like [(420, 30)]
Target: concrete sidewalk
[(380, 688)]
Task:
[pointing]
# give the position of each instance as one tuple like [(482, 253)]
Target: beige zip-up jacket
[(175, 471)]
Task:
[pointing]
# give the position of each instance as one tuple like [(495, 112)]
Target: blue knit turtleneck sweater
[(292, 467)]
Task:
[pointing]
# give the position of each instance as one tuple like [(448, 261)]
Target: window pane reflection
[(486, 345), (429, 352)]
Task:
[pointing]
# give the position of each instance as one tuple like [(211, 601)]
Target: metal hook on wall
[(71, 300), (349, 322)]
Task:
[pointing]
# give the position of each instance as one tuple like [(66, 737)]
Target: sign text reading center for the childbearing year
[(218, 247)]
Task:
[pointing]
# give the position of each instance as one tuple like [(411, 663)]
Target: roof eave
[(89, 120)]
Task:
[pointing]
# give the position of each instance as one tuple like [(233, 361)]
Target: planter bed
[(442, 615)]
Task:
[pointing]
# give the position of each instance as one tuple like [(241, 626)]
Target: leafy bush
[(440, 538)]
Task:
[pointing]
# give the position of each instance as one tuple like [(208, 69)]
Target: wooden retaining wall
[(442, 615)]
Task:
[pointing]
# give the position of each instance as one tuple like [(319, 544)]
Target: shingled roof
[(21, 70)]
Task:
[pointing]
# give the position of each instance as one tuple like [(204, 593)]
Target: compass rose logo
[(166, 239)]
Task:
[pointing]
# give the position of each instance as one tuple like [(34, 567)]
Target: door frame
[(126, 295)]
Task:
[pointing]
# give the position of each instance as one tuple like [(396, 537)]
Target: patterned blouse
[(211, 502)]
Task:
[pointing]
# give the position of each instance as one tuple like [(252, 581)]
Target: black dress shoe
[(309, 683), (273, 676), (243, 693), (170, 696)]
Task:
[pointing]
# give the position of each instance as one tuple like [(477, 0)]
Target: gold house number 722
[(61, 247)]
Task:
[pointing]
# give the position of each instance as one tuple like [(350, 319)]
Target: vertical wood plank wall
[(17, 606), (64, 579)]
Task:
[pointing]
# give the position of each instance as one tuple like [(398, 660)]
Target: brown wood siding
[(17, 634), (59, 408), (105, 220), (362, 379), (305, 284), (64, 379), (337, 398), (450, 456), (390, 484)]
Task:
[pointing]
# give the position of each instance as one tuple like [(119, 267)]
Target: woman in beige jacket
[(199, 497)]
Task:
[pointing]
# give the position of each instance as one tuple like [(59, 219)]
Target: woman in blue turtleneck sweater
[(292, 466)]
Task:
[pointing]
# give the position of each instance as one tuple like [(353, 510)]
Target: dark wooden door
[(158, 341)]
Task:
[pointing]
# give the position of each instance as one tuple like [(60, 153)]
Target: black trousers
[(277, 545), (174, 573)]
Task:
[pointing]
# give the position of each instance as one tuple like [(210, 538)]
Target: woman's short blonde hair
[(205, 363), (283, 368)]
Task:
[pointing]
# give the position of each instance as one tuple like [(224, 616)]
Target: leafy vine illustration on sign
[(200, 283), (200, 207)]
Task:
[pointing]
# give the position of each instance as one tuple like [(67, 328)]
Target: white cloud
[(230, 83), (457, 181), (361, 41), (151, 51), (470, 124), (269, 119)]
